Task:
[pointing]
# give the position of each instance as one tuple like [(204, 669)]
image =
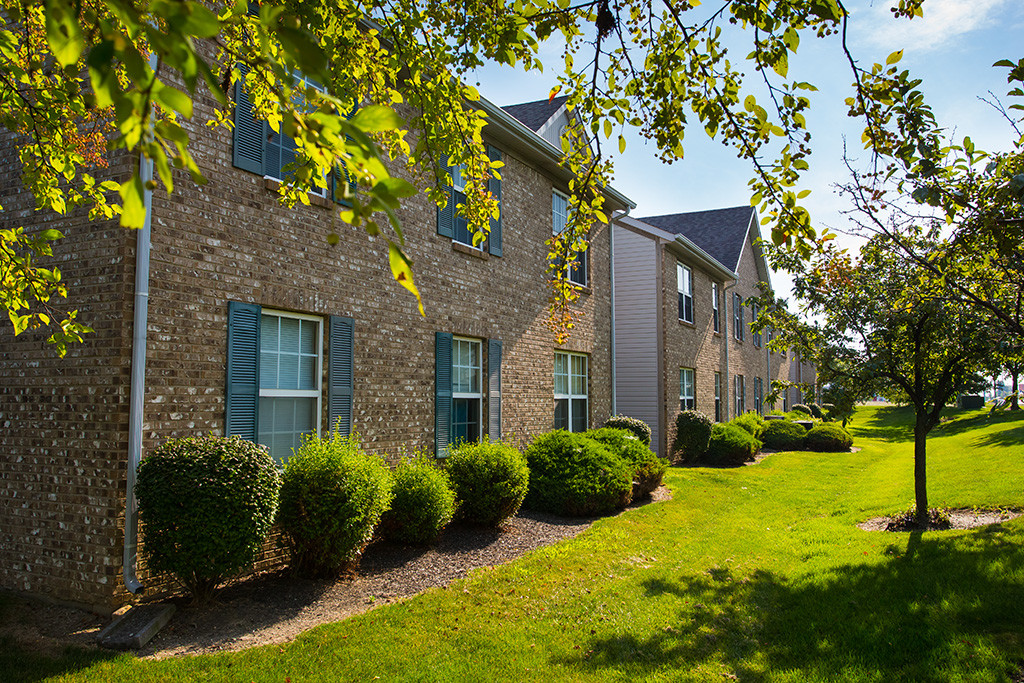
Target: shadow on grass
[(19, 665), (890, 423), (919, 613)]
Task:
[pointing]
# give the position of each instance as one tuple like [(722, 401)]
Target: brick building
[(682, 329), (236, 316)]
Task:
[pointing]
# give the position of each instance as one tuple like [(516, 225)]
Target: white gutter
[(137, 393), (728, 379)]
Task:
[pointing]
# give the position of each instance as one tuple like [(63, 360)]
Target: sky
[(952, 48)]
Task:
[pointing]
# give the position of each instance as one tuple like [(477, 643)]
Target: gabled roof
[(719, 232), (534, 115)]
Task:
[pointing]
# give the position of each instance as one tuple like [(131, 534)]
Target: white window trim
[(460, 186), (737, 317), (302, 81), (581, 259), (756, 337), (319, 372), (718, 396), (716, 314), (692, 397), (740, 394), (480, 379), (586, 384), (687, 290)]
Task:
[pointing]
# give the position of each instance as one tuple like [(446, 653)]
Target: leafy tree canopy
[(81, 75)]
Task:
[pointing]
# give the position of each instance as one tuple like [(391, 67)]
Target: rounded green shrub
[(693, 430), (783, 435), (573, 475), (639, 428), (751, 421), (816, 411), (206, 505), (800, 408), (490, 479), (730, 445), (648, 469), (828, 437), (332, 498), (423, 503)]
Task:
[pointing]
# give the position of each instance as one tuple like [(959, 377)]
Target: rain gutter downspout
[(137, 394), (727, 383)]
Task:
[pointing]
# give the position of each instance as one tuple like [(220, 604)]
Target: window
[(684, 284), (755, 336), (785, 400), (467, 390), (714, 306), (758, 395), (451, 223), (290, 368), (737, 316), (571, 409), (686, 394), (718, 397), (740, 402), (577, 274)]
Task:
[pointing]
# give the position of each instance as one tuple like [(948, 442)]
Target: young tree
[(881, 330), (75, 73)]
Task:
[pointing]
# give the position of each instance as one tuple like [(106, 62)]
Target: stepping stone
[(136, 627)]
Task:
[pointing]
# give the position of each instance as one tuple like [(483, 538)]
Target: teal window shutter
[(446, 216), (242, 396), (442, 393), (339, 375), (494, 185), (494, 389), (249, 136)]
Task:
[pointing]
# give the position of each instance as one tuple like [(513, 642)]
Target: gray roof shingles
[(533, 115), (719, 232)]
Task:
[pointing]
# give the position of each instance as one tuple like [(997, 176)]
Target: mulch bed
[(964, 518)]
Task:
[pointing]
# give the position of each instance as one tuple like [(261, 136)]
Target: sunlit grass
[(756, 572)]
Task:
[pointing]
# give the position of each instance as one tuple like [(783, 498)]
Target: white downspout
[(611, 239), (137, 395), (728, 377)]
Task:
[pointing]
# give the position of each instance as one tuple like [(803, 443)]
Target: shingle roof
[(719, 232), (533, 115)]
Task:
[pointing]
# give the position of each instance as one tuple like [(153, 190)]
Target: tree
[(77, 73), (881, 329)]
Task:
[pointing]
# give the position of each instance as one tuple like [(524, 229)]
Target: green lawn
[(756, 573)]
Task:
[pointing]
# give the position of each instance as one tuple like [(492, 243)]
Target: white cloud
[(943, 21)]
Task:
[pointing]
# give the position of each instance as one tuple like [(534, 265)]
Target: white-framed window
[(741, 405), (737, 316), (684, 285), (571, 394), (715, 315), (718, 397), (755, 336), (467, 390), (279, 149), (758, 395), (577, 274), (686, 389), (291, 364), (462, 234)]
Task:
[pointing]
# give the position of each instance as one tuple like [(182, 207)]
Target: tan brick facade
[(63, 451)]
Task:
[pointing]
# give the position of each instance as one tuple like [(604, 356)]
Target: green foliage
[(937, 520), (751, 421), (490, 479), (783, 435), (693, 430), (648, 469), (332, 497), (816, 412), (828, 437), (573, 475), (206, 504), (730, 445), (638, 427), (801, 408), (423, 503)]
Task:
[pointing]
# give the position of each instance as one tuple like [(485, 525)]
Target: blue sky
[(952, 49)]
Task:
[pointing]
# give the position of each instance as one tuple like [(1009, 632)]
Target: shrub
[(573, 475), (783, 435), (828, 409), (938, 520), (730, 445), (648, 469), (423, 504), (207, 504), (815, 411), (751, 421), (490, 479), (693, 429), (800, 408), (640, 429), (332, 497), (828, 437)]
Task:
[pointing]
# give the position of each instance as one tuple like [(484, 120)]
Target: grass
[(755, 573)]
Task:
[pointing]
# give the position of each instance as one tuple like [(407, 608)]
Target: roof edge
[(683, 244)]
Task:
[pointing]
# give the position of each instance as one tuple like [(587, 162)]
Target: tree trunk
[(920, 474), (1014, 387)]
